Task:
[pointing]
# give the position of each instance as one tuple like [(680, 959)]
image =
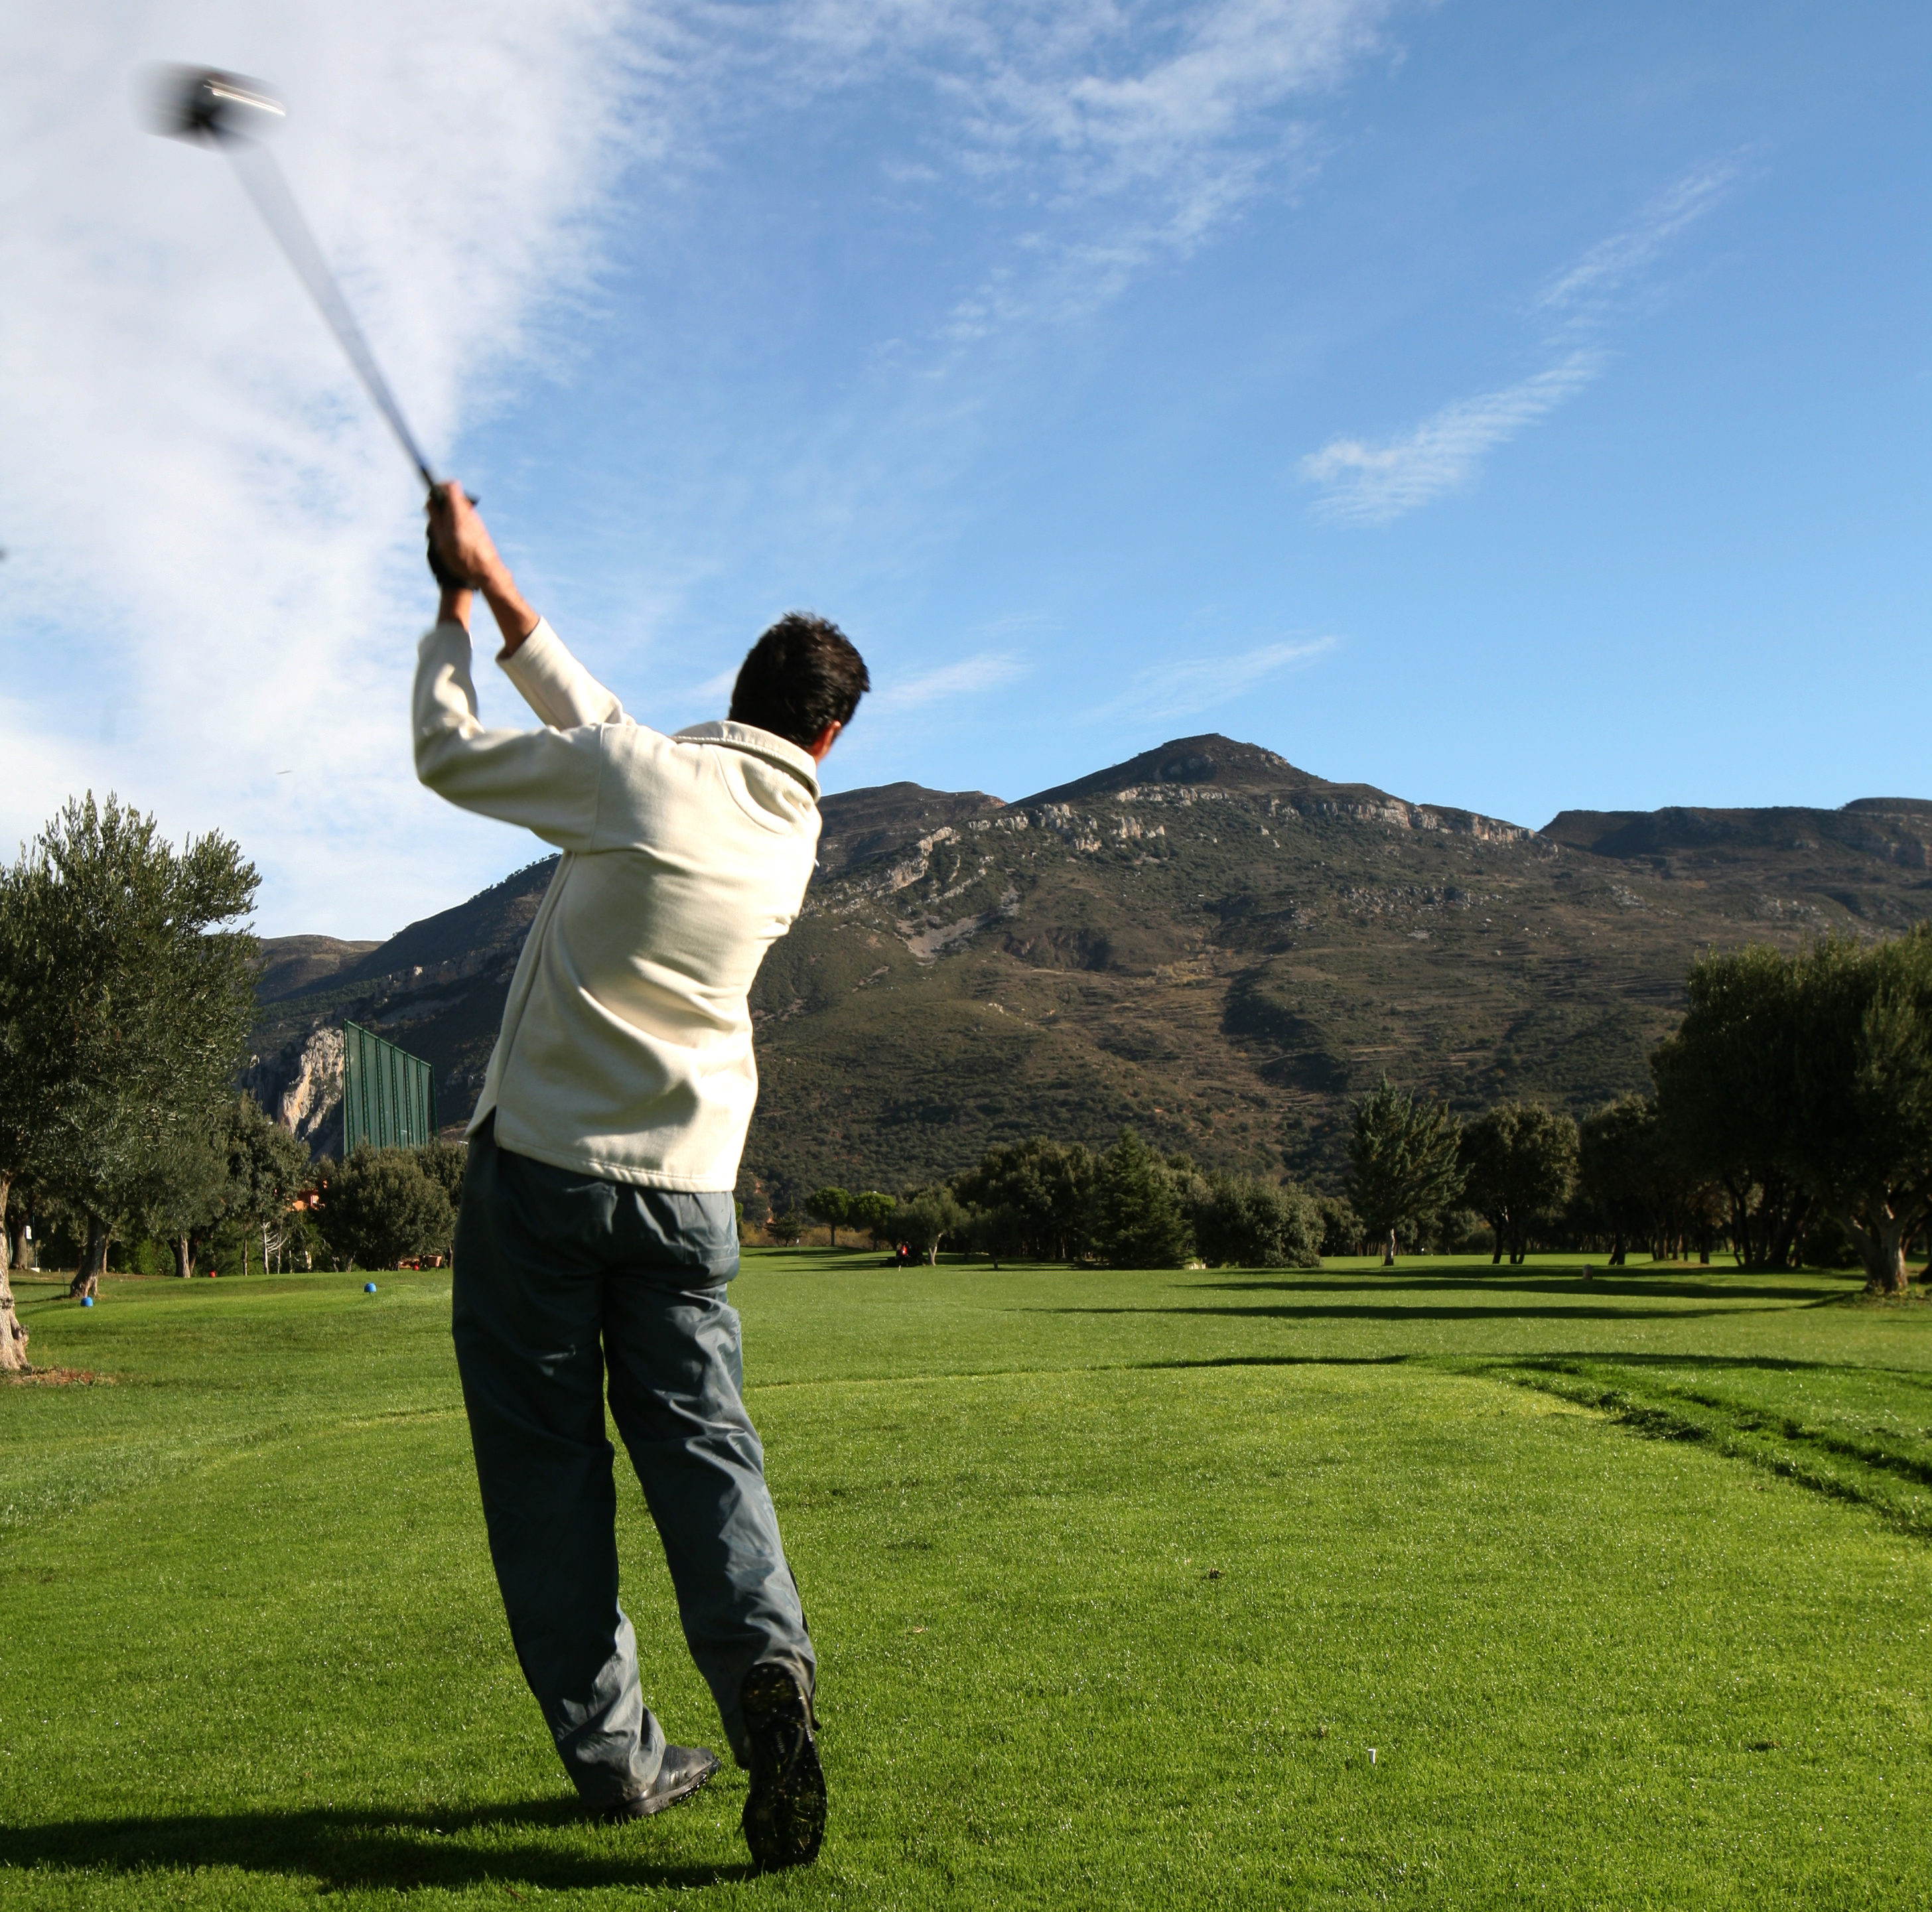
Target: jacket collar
[(749, 737)]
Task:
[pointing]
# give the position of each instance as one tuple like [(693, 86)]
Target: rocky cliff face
[(301, 1086)]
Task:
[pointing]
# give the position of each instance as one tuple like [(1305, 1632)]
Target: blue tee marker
[(368, 1288)]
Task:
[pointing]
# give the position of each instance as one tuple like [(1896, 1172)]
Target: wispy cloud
[(1116, 131), (1607, 269), (215, 557), (1193, 684), (968, 677), (1367, 482), (1370, 484)]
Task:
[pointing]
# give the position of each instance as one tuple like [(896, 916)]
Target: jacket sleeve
[(546, 780), (556, 686)]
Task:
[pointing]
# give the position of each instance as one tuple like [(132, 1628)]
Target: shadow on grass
[(1863, 1469), (1394, 1311), (1796, 1292), (1559, 1360), (1513, 1368), (346, 1847)]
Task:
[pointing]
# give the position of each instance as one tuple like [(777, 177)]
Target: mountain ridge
[(1201, 940)]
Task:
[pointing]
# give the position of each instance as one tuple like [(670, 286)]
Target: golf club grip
[(255, 166)]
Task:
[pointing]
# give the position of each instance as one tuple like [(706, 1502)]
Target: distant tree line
[(1125, 1207), (1791, 1121)]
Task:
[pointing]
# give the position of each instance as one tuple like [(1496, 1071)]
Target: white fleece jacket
[(626, 1045)]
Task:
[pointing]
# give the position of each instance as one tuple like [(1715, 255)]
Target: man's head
[(802, 681)]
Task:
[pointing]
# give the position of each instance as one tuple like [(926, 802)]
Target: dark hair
[(803, 674)]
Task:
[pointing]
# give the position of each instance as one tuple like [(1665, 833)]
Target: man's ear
[(823, 742)]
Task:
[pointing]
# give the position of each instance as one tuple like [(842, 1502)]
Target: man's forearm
[(514, 617)]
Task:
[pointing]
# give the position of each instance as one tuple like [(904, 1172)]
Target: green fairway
[(1444, 1586)]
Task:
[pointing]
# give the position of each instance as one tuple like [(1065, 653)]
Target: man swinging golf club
[(597, 1231)]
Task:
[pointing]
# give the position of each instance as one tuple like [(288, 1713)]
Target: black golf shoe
[(684, 1770), (784, 1817)]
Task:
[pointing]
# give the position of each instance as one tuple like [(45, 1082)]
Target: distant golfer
[(598, 1231)]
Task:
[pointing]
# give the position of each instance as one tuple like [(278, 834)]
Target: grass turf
[(1454, 1586)]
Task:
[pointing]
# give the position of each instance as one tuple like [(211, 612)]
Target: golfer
[(597, 1232)]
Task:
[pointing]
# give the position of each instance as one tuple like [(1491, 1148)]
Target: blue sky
[(1516, 407)]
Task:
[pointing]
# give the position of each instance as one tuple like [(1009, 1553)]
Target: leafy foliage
[(1138, 1218), (444, 1162), (1036, 1196), (384, 1206), (872, 1210), (1863, 1094), (928, 1219), (128, 1003), (1518, 1163), (1403, 1165), (1727, 1097), (1240, 1221), (833, 1207)]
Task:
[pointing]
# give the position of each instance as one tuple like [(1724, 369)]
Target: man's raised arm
[(550, 680)]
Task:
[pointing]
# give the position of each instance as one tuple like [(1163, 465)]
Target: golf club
[(232, 112)]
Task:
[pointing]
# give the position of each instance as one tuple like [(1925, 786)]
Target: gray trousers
[(564, 1283)]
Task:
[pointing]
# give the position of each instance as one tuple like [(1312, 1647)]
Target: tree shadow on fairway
[(1558, 1360), (1394, 1311), (1678, 1288), (402, 1849)]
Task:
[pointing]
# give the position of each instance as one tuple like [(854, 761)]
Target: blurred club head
[(202, 103)]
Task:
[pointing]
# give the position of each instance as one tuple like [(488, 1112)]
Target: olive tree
[(1402, 1162), (131, 991), (1518, 1163), (927, 1218), (833, 1207), (1862, 1087), (1727, 1097)]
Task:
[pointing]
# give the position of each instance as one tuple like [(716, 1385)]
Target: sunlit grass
[(1117, 1580)]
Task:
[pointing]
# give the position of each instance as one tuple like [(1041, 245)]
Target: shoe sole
[(784, 1817)]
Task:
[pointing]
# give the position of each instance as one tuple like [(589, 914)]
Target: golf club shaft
[(262, 177)]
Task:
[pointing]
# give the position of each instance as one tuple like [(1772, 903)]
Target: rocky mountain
[(1203, 941)]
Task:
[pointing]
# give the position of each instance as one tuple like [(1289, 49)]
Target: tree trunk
[(93, 1260), (1388, 1251), (12, 1336), (1739, 1198), (1881, 1244), (6, 1228), (184, 1257)]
